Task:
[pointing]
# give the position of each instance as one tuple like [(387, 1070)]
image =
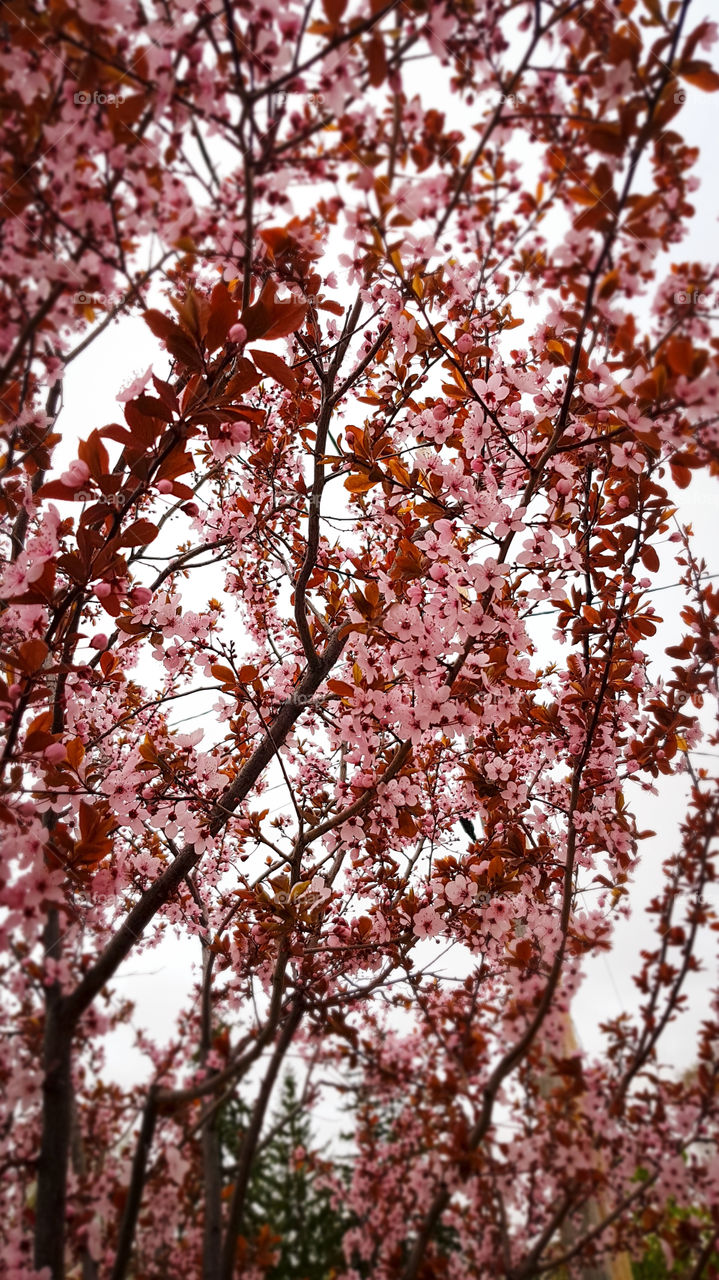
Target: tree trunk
[(79, 1164), (212, 1236), (249, 1144), (56, 1125), (131, 1211)]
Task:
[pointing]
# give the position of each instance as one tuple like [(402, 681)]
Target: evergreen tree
[(288, 1211)]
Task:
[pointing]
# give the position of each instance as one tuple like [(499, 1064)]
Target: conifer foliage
[(291, 1212)]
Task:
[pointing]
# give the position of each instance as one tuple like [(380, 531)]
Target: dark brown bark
[(211, 1145), (135, 1189), (249, 1144), (56, 1125), (212, 1190)]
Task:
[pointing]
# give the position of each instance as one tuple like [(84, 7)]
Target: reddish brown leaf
[(285, 318), (63, 492), (108, 663), (341, 687), (359, 482), (243, 379), (117, 433), (32, 654), (93, 452), (376, 60), (223, 314), (650, 559), (680, 353), (177, 463), (681, 475), (276, 368), (152, 407), (161, 325), (257, 317), (75, 752), (334, 10), (139, 534), (222, 673), (700, 74)]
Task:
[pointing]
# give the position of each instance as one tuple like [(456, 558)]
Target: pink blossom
[(231, 435), (492, 391), (76, 475), (427, 923), (136, 387), (460, 890)]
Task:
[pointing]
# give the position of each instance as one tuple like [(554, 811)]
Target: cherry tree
[(425, 373)]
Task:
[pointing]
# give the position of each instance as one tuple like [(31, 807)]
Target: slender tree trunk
[(249, 1144), (212, 1237), (56, 1124), (79, 1164), (211, 1146), (131, 1211)]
